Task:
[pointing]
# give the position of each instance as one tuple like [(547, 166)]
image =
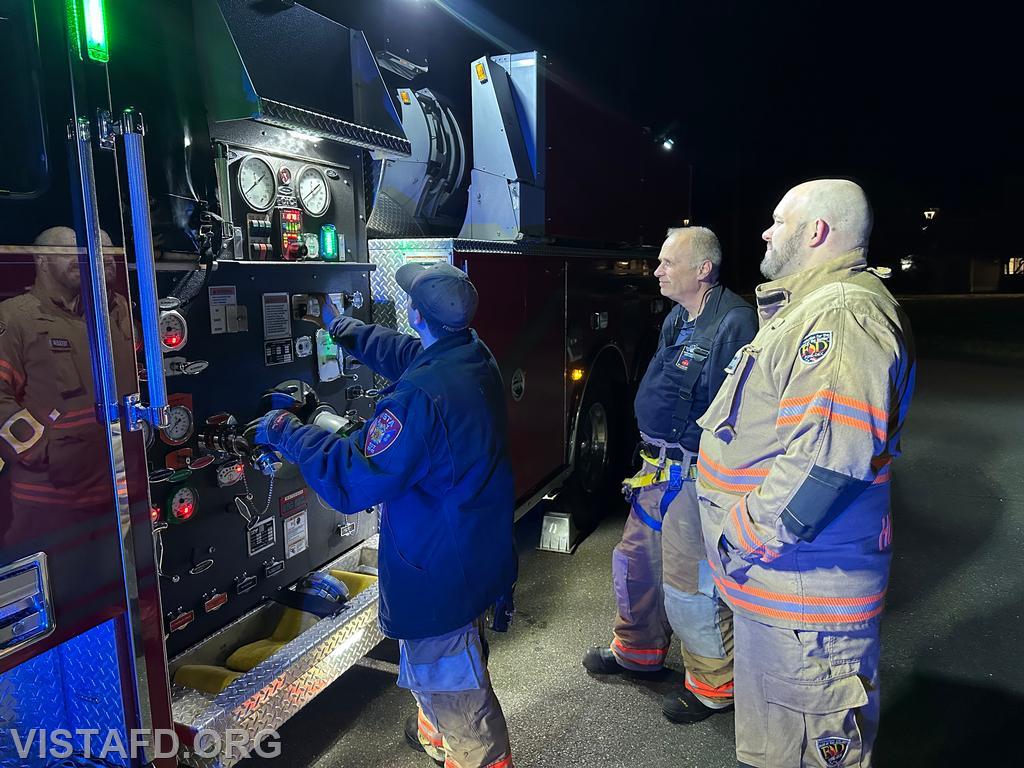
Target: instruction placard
[(296, 534), (223, 299), (277, 316)]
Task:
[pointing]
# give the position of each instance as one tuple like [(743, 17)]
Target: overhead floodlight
[(667, 144), (930, 213)]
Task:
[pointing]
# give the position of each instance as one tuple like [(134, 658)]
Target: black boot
[(601, 661), (412, 736), (684, 707)]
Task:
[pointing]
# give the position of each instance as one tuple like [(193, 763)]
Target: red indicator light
[(172, 341), (184, 512), (154, 513)]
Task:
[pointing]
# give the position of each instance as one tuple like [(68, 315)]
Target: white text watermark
[(92, 743)]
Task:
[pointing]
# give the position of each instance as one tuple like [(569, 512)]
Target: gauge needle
[(250, 189)]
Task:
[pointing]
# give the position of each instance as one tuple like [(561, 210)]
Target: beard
[(778, 258)]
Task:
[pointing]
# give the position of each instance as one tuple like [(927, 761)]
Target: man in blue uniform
[(659, 569), (435, 457)]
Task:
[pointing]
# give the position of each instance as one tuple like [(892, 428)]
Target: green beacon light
[(96, 31), (329, 243)]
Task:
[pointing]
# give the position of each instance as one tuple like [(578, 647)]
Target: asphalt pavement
[(952, 678)]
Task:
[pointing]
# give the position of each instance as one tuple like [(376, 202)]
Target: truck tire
[(601, 456)]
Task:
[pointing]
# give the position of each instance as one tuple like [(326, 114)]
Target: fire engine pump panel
[(253, 565)]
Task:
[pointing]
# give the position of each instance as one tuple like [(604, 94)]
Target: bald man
[(793, 481)]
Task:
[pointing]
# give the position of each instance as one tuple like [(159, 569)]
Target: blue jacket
[(436, 457), (683, 379)]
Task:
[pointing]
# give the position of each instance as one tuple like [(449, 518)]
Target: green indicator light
[(74, 33), (96, 31), (328, 243)]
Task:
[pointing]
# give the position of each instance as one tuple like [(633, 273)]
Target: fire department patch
[(815, 346), (683, 361), (382, 433), (832, 750)]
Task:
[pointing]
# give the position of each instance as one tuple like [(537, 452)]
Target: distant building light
[(907, 263)]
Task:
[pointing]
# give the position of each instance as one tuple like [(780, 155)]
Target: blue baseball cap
[(441, 292)]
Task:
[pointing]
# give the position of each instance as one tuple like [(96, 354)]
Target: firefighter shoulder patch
[(815, 346), (832, 750), (382, 433)]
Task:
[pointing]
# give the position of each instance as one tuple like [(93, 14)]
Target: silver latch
[(26, 615)]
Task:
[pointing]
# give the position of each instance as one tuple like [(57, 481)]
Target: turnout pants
[(805, 698), (663, 585), (460, 719)]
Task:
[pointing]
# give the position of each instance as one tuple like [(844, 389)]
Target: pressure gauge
[(147, 433), (257, 183), (182, 504), (313, 191), (173, 331), (312, 241), (230, 473), (180, 425)]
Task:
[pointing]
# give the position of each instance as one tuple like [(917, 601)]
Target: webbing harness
[(678, 473)]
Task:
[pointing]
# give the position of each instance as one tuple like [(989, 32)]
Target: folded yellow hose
[(203, 677), (356, 582)]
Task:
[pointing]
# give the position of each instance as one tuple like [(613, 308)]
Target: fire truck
[(180, 179)]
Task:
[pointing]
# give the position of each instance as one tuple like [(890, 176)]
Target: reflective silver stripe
[(8, 435)]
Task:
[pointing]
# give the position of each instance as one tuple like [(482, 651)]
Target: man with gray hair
[(660, 574), (794, 477)]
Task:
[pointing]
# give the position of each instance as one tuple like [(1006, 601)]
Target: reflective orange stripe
[(878, 413), (636, 654), (748, 536), (759, 472), (817, 618), (807, 599), (721, 692), (430, 733)]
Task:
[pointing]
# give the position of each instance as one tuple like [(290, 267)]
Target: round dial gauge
[(173, 331), (147, 433), (256, 182), (313, 191), (230, 473), (182, 504), (179, 425), (312, 241)]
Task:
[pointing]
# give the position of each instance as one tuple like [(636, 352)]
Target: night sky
[(920, 103)]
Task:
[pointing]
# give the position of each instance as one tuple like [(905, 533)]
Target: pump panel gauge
[(314, 194), (173, 331), (257, 183), (180, 425), (182, 504), (230, 473)]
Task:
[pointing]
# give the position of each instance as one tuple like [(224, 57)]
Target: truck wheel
[(594, 488)]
